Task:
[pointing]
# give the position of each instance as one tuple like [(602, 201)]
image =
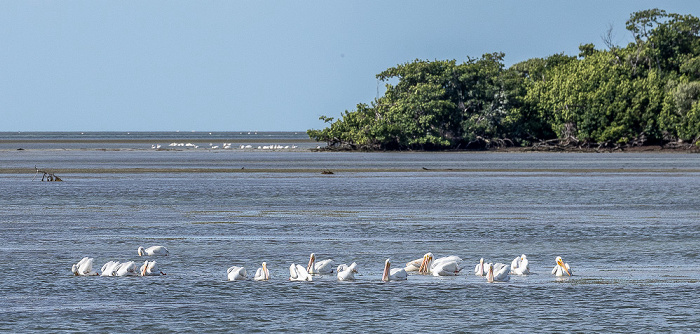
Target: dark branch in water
[(48, 177)]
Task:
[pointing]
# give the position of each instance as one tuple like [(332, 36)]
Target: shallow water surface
[(626, 223)]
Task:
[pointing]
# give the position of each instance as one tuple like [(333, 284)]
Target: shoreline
[(686, 148)]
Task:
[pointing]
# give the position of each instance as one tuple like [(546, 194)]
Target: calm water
[(628, 224)]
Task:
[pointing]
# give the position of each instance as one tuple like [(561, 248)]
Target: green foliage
[(648, 91)]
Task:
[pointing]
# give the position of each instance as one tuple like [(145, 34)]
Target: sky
[(258, 65)]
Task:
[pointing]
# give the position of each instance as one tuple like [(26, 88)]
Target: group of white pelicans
[(228, 146), (115, 268), (427, 265)]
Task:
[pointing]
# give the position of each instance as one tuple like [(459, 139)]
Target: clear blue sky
[(257, 65)]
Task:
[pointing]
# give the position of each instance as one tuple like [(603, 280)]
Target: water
[(626, 223)]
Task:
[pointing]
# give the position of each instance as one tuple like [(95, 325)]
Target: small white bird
[(347, 273), (149, 269), (153, 250), (84, 268), (397, 274), (298, 273), (321, 268), (236, 273), (262, 274), (561, 269), (520, 265), (501, 274)]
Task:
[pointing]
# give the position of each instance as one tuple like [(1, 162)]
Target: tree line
[(646, 93)]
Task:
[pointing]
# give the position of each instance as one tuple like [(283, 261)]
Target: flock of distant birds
[(227, 146), (427, 265)]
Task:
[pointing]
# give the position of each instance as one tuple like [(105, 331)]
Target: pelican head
[(310, 266), (141, 251), (489, 274), (425, 265), (560, 262), (387, 267), (265, 271)]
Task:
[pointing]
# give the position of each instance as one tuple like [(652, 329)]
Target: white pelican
[(262, 274), (320, 268), (417, 264), (561, 268), (237, 274), (520, 266), (298, 273), (397, 274), (501, 274), (444, 266), (127, 269), (153, 250), (481, 268), (110, 268), (347, 273), (149, 269), (84, 268)]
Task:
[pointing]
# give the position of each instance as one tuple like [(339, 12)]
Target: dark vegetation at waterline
[(646, 93)]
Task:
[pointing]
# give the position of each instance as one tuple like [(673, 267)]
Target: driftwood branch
[(46, 176)]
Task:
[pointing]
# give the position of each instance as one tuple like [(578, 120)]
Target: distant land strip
[(515, 172)]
